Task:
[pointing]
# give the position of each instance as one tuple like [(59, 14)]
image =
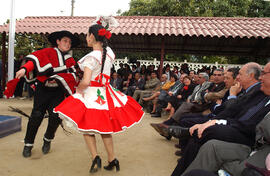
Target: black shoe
[(112, 164), (46, 147), (178, 153), (96, 164), (27, 151), (162, 129), (156, 115), (178, 132)]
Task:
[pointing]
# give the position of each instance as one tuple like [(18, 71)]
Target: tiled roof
[(152, 25)]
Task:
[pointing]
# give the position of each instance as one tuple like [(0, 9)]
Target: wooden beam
[(161, 57)]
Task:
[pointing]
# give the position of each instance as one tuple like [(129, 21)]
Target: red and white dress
[(102, 109)]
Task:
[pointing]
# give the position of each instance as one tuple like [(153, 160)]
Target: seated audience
[(181, 96), (193, 101), (149, 87), (163, 92), (128, 80), (234, 124), (137, 84), (116, 82)]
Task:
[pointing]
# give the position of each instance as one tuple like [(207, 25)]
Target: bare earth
[(140, 150)]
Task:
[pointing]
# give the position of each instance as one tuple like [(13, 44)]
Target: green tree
[(27, 43), (217, 8), (259, 8)]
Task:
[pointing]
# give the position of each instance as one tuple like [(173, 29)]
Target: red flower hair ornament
[(104, 32)]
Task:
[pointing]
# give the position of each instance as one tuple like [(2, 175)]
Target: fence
[(191, 66)]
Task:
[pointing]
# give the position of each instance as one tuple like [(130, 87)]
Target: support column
[(161, 57), (4, 61)]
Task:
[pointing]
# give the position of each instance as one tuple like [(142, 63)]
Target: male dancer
[(54, 72)]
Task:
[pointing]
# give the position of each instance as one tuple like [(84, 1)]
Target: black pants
[(219, 132), (188, 121), (199, 172), (45, 99), (19, 88), (175, 102)]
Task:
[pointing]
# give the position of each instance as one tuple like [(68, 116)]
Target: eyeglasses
[(264, 73), (217, 74)]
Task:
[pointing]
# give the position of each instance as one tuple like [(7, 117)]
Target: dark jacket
[(186, 91), (116, 83), (236, 108)]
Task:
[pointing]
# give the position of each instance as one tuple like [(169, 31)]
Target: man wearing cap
[(53, 70)]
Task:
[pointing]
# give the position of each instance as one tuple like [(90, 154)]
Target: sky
[(25, 8)]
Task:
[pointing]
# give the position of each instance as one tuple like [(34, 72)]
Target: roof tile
[(151, 25)]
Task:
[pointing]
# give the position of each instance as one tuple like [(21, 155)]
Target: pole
[(72, 7), (11, 35)]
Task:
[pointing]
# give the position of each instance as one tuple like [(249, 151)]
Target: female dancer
[(96, 107)]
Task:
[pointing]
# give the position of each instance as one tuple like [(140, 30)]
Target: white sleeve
[(90, 62)]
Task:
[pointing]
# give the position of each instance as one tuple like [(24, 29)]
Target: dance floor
[(140, 150)]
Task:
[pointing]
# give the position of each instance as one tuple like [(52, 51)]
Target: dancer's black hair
[(94, 30)]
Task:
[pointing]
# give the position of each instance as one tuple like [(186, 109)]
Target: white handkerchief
[(267, 103)]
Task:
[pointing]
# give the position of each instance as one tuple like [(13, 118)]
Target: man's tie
[(253, 110)]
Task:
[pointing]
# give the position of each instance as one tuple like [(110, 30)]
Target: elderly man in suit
[(235, 124), (216, 154), (115, 81), (192, 119)]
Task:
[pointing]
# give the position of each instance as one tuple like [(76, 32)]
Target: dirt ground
[(140, 150)]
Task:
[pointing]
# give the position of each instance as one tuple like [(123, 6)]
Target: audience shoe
[(161, 129), (27, 151), (156, 115), (46, 147), (112, 164), (178, 132), (96, 164), (178, 153)]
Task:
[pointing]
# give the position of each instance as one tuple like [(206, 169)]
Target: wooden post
[(161, 57), (4, 60)]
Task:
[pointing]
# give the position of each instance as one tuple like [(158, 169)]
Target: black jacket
[(237, 107)]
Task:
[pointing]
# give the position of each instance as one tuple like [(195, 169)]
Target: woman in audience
[(180, 96), (128, 80), (162, 93)]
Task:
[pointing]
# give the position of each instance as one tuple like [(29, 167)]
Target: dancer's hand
[(79, 91), (20, 73)]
